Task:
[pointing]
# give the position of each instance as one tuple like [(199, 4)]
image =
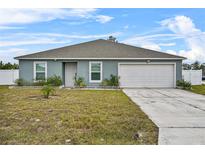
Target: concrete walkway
[(179, 114)]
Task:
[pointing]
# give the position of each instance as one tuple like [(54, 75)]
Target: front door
[(70, 72)]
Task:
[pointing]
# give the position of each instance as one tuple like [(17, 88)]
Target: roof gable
[(100, 49)]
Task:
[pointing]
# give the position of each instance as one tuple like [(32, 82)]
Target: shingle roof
[(100, 49)]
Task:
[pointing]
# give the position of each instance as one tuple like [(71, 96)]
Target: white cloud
[(75, 22), (180, 25), (22, 16), (32, 42), (154, 37), (126, 27), (83, 13), (183, 29), (151, 45), (171, 52), (154, 46), (167, 44), (71, 36), (26, 16), (8, 54), (19, 39), (103, 19), (149, 40), (193, 37), (142, 42), (10, 27)]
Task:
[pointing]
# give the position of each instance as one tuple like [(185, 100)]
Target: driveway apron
[(179, 114)]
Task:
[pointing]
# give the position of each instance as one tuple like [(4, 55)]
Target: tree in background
[(186, 66), (8, 65), (203, 69), (196, 65), (112, 39)]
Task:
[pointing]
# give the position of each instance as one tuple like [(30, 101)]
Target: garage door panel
[(149, 75)]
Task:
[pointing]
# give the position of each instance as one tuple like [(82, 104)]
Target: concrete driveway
[(180, 115)]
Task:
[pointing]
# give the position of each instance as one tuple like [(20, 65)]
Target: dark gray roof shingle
[(99, 49)]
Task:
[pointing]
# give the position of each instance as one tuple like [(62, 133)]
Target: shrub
[(19, 82), (54, 80), (22, 82), (39, 83), (105, 82), (184, 84), (79, 82), (113, 81), (47, 90)]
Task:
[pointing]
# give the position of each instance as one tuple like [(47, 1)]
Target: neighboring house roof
[(100, 49)]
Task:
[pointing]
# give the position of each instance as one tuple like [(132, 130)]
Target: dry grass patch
[(72, 117)]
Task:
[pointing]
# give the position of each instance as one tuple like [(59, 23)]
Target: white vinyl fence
[(193, 76), (8, 77)]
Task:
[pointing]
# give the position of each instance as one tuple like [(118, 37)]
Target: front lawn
[(72, 117), (199, 89)]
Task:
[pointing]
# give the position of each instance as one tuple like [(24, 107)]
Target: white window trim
[(101, 68), (34, 69)]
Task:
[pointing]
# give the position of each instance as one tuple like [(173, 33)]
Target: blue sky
[(175, 31)]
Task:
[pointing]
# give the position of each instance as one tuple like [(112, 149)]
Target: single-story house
[(97, 60)]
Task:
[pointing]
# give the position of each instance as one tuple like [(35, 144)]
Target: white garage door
[(146, 75)]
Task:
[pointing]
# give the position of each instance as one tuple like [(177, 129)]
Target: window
[(40, 71), (95, 71)]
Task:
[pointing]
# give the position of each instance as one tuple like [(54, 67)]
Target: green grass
[(75, 116), (199, 89)]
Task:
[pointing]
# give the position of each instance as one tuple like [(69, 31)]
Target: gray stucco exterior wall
[(83, 70), (179, 70), (109, 67), (55, 68), (26, 69)]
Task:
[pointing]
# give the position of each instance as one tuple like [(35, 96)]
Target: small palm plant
[(79, 82), (47, 90)]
